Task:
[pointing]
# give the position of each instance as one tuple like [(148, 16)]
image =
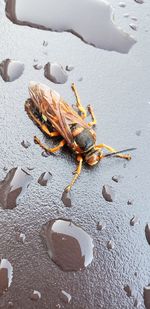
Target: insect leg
[(90, 108), (78, 103), (124, 156), (51, 150), (42, 126), (76, 173)]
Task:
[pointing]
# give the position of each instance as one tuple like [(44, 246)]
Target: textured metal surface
[(118, 88)]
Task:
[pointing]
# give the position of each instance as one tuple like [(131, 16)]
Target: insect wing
[(62, 115)]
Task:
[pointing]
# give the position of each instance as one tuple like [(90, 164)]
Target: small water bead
[(108, 193), (122, 4), (55, 73), (45, 43), (101, 226), (147, 233), (69, 68), (146, 295), (133, 27), (66, 297), (10, 70), (134, 220), (110, 244), (36, 295), (37, 66), (13, 186), (128, 290), (25, 144), (44, 178), (6, 275), (139, 1), (66, 198)]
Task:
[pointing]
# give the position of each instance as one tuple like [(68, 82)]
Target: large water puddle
[(69, 246), (91, 20)]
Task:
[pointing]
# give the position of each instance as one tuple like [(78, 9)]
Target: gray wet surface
[(117, 86)]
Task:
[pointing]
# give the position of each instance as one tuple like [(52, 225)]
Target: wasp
[(68, 123)]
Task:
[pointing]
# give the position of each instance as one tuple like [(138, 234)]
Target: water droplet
[(37, 66), (21, 238), (138, 132), (45, 154), (139, 1), (80, 79), (36, 295), (130, 202), (13, 185), (147, 232), (10, 304), (122, 4), (30, 168), (69, 246), (66, 297), (134, 18), (134, 221), (108, 193), (25, 144), (147, 297), (45, 43), (58, 306), (44, 178), (126, 15), (35, 60), (69, 68), (101, 32), (5, 169), (55, 73), (116, 178), (128, 290), (66, 198), (137, 303), (110, 245), (6, 275), (11, 70), (101, 226), (133, 27)]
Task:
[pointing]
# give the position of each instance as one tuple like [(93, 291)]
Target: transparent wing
[(61, 115)]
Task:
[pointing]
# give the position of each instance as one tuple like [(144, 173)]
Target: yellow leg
[(93, 123), (76, 173), (42, 126), (78, 103), (124, 156), (51, 150)]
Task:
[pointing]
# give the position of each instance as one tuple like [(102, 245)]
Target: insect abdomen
[(85, 140)]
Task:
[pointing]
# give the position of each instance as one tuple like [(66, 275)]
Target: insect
[(68, 123)]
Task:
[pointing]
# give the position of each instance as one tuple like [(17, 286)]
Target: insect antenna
[(118, 152)]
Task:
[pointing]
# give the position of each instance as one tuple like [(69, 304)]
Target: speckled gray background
[(118, 87)]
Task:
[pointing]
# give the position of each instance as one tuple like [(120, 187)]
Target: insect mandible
[(68, 123)]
